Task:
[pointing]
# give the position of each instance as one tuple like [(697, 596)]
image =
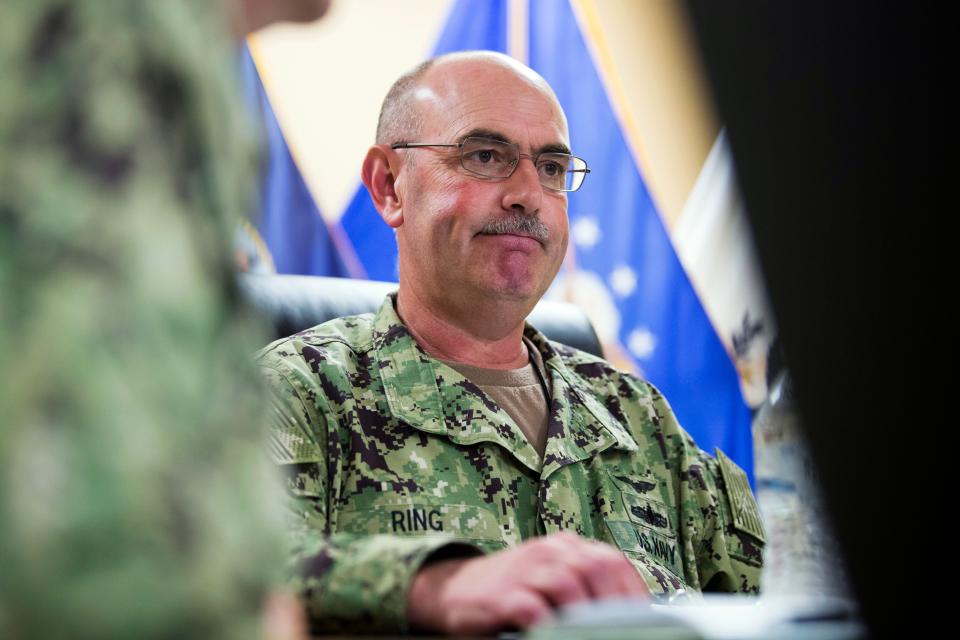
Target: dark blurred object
[(836, 132), (294, 303)]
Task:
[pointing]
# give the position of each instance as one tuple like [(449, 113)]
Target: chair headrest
[(294, 303)]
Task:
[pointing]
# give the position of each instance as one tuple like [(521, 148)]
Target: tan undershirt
[(520, 392)]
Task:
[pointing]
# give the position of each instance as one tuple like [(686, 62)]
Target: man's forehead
[(487, 94), (556, 143)]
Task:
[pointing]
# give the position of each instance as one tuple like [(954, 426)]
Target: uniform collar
[(432, 397)]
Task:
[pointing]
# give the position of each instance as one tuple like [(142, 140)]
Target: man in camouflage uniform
[(455, 470), (135, 497)]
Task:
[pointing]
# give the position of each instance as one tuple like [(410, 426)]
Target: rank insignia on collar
[(746, 514)]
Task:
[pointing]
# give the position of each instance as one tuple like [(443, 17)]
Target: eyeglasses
[(498, 159)]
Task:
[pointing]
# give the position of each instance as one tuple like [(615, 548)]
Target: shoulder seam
[(318, 416), (316, 341)]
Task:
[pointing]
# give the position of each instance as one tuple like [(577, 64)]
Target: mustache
[(522, 225)]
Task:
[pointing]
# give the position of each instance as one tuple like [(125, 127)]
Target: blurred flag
[(622, 264), (715, 244), (473, 24), (289, 221)]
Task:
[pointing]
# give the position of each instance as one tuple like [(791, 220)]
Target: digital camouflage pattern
[(135, 496), (391, 455)]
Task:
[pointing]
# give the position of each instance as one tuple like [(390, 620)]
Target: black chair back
[(294, 303)]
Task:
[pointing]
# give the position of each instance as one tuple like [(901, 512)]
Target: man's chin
[(512, 280), (514, 290)]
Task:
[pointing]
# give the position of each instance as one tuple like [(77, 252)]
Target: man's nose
[(523, 188)]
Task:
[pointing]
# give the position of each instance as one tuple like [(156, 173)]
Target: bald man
[(455, 470)]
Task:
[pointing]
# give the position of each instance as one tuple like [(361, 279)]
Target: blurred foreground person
[(134, 499)]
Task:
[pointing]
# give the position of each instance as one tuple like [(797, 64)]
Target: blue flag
[(619, 238), (290, 222)]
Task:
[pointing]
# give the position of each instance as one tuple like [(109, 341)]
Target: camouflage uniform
[(135, 496), (392, 455)]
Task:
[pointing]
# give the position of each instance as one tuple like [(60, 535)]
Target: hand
[(518, 587), (283, 618)]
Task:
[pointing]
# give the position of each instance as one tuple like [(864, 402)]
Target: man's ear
[(380, 179)]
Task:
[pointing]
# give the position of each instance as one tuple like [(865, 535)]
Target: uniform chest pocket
[(412, 518), (645, 529)]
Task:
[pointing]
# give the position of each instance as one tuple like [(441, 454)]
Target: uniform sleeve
[(720, 521), (347, 581), (136, 497)]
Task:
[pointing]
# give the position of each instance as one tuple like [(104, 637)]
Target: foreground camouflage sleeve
[(135, 496), (348, 581), (719, 516)]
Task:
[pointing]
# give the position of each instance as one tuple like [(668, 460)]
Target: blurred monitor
[(834, 121)]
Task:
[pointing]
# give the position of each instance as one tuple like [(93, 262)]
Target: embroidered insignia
[(746, 514)]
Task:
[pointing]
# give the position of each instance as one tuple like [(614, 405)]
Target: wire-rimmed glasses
[(499, 159)]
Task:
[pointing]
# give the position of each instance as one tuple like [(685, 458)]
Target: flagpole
[(517, 30)]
